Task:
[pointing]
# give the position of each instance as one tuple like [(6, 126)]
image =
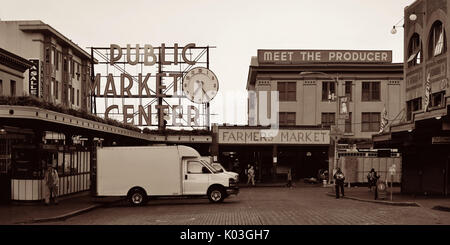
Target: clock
[(200, 85)]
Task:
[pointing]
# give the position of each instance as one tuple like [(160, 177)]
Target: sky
[(237, 28)]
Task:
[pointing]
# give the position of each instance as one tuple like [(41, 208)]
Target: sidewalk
[(29, 213), (363, 194)]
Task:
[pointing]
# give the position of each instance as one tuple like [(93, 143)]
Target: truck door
[(196, 178)]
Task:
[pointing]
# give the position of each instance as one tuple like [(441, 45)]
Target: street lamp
[(336, 81)]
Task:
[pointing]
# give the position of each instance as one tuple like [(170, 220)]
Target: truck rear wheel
[(216, 194), (137, 197)]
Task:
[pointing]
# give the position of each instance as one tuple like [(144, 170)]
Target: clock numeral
[(188, 78), (185, 85), (212, 78), (215, 85)]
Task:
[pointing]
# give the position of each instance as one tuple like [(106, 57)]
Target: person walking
[(372, 178), (51, 181), (251, 176), (339, 178)]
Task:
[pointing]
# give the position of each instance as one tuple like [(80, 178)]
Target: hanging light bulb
[(393, 31)]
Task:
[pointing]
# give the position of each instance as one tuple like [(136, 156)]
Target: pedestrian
[(51, 181), (372, 178), (251, 176), (339, 182), (289, 178)]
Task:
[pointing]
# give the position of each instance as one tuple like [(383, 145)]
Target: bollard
[(324, 183)]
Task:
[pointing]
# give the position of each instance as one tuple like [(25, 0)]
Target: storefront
[(304, 150)]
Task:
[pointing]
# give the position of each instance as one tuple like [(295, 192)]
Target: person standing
[(51, 181), (339, 178), (251, 176), (289, 178)]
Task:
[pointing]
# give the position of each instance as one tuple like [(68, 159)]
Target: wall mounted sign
[(284, 136), (282, 57), (33, 78)]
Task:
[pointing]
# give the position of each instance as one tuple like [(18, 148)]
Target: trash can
[(381, 190)]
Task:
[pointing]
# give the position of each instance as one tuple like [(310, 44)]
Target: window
[(57, 59), (56, 89), (437, 100), (370, 91), (52, 87), (414, 50), (78, 97), (348, 89), (287, 90), (348, 123), (72, 94), (370, 121), (1, 87), (47, 55), (13, 88), (194, 167), (437, 39), (65, 64), (328, 91), (328, 118), (286, 118), (412, 106), (72, 68)]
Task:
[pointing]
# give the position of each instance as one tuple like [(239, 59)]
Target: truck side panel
[(156, 169)]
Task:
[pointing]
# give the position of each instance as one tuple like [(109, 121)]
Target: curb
[(404, 204), (69, 214)]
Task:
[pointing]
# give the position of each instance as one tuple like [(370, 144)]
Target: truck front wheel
[(137, 197), (216, 194)]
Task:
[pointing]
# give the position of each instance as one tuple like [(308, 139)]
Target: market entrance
[(304, 161)]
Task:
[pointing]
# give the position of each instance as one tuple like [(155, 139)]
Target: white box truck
[(139, 172)]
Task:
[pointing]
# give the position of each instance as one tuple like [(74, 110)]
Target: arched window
[(414, 50), (437, 40)]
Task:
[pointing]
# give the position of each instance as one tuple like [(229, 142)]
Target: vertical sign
[(34, 78)]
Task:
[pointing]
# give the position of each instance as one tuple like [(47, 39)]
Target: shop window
[(328, 118), (370, 121), (370, 91), (348, 89), (286, 118), (13, 88), (437, 40), (328, 91), (287, 91), (25, 165), (348, 123), (414, 51)]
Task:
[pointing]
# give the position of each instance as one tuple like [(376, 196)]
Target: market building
[(424, 137), (45, 115), (327, 99)]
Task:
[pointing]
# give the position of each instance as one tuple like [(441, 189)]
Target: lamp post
[(337, 135)]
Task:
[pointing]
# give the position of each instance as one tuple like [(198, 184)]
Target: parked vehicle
[(140, 172), (220, 168)]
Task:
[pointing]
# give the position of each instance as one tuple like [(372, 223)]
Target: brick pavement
[(264, 206)]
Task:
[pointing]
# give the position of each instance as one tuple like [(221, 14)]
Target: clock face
[(200, 85)]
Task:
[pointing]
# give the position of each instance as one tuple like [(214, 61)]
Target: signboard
[(33, 78), (282, 57), (440, 140), (284, 136)]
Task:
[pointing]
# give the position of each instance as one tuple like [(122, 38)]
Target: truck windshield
[(206, 163)]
